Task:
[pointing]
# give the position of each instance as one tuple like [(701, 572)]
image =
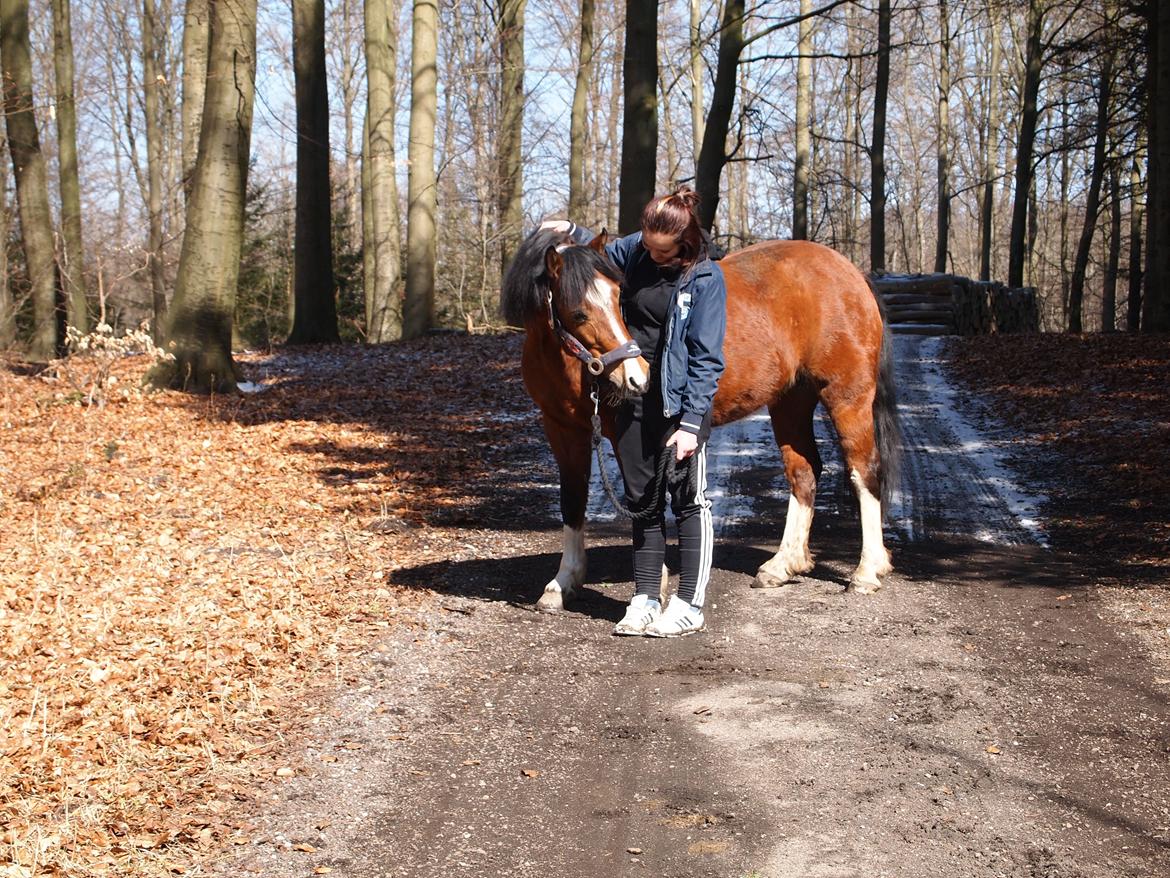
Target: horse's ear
[(553, 263), (599, 242)]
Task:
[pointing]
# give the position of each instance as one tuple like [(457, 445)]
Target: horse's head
[(574, 292)]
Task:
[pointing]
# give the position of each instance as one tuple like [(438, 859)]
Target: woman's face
[(662, 248)]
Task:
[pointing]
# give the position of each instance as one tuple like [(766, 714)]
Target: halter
[(596, 365)]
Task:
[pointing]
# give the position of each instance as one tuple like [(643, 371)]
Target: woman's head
[(670, 229)]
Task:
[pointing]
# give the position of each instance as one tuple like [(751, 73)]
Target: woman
[(674, 304)]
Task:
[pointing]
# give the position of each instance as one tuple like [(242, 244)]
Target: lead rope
[(662, 472)]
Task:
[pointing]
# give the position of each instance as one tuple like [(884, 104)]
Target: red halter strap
[(595, 365)]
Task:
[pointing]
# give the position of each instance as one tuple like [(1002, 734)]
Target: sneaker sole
[(665, 636)]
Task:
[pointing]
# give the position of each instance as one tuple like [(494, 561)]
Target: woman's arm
[(705, 331)]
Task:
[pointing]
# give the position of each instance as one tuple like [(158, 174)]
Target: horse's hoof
[(764, 579), (551, 602), (864, 586)]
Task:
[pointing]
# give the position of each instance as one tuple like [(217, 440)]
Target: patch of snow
[(251, 387)]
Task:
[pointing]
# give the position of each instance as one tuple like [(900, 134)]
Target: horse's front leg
[(571, 448)]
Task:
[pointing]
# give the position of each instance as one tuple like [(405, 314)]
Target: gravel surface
[(982, 715)]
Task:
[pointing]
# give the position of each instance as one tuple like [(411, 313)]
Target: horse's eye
[(580, 318)]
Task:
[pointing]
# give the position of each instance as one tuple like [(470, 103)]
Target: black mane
[(526, 283)]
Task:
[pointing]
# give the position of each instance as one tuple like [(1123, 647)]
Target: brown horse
[(803, 327)]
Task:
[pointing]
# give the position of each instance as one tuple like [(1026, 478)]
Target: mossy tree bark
[(200, 325), (28, 164), (800, 173), (151, 83)]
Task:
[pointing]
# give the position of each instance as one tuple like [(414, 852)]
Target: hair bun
[(687, 196)]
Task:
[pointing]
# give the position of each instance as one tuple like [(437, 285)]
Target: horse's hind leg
[(852, 412), (571, 450), (792, 424)]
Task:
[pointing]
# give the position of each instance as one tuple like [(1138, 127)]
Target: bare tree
[(1093, 198), (1033, 65), (578, 124), (877, 149), (803, 133), (1156, 302), (640, 115), (314, 311), (152, 81), (942, 237), (713, 154), (73, 273), (419, 305), (509, 146), (380, 191), (195, 37), (200, 320), (28, 162)]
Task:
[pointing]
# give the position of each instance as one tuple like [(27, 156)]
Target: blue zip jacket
[(692, 358)]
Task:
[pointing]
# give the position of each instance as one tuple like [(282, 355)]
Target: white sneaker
[(677, 620), (641, 612)]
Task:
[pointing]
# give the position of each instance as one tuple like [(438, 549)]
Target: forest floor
[(187, 584)]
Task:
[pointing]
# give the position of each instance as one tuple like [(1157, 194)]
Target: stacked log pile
[(947, 304)]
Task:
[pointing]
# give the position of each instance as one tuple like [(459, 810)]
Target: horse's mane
[(526, 282)]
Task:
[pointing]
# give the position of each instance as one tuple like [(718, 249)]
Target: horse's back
[(794, 308)]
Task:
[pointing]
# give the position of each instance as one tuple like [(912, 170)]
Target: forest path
[(977, 717)]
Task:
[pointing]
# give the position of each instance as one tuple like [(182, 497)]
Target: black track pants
[(642, 432)]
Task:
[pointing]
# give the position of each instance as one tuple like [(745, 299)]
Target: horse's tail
[(887, 426)]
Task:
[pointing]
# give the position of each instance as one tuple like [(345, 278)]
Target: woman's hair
[(677, 215)]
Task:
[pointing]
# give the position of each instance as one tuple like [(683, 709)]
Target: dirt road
[(977, 717)]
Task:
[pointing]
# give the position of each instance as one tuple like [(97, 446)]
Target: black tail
[(887, 427)]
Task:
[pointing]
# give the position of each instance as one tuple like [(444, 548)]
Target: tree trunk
[(852, 127), (200, 321), (1033, 61), (578, 124), (803, 133), (151, 83), (1156, 304), (314, 310), (713, 155), (1113, 261), (419, 306), (696, 80), (380, 196), (369, 265), (1133, 304), (73, 275), (639, 168), (990, 153), (32, 190), (195, 37), (7, 305), (511, 137), (1093, 199), (877, 154), (942, 237)]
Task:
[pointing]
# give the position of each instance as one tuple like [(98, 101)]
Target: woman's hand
[(557, 225), (685, 444)]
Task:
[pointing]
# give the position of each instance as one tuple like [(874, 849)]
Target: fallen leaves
[(1099, 402), (174, 571)]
